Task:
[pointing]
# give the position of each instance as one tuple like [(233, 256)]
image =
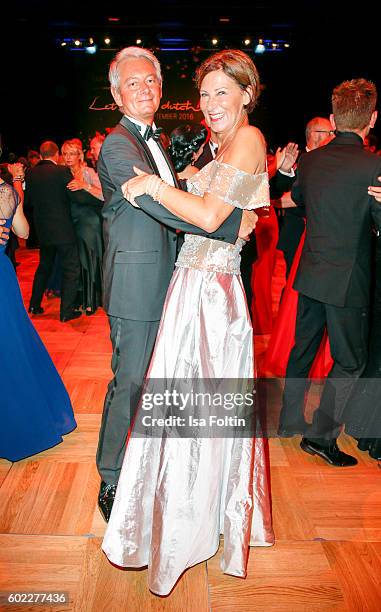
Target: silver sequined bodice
[(210, 255), (236, 188)]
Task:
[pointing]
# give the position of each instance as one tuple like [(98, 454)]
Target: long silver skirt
[(176, 496)]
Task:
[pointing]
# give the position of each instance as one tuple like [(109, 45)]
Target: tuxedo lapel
[(131, 127), (169, 162)]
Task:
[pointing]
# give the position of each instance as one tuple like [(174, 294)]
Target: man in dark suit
[(292, 221), (32, 243), (334, 275), (140, 251), (46, 192)]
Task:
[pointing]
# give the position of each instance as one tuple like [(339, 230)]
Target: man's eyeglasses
[(331, 132)]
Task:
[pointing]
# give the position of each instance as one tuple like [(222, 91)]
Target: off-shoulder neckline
[(216, 161)]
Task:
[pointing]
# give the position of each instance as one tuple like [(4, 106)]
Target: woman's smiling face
[(222, 101)]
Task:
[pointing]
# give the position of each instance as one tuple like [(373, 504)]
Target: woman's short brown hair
[(238, 66)]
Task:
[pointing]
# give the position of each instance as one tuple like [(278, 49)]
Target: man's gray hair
[(131, 53)]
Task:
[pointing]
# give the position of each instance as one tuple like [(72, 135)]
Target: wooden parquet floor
[(327, 521)]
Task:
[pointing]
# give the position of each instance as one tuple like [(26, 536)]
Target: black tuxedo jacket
[(205, 157), (140, 243), (331, 184), (291, 219), (281, 183), (47, 194)]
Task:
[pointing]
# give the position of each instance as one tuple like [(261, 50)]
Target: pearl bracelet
[(152, 184), (156, 187), (160, 192)]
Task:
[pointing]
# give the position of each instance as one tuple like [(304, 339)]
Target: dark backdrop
[(46, 91)]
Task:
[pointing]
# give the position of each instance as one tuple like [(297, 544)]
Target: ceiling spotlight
[(138, 41), (91, 41), (274, 45), (63, 44), (107, 41), (77, 42), (214, 41), (286, 45), (247, 41), (91, 49), (260, 48)]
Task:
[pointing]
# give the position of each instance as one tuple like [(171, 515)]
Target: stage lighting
[(63, 44), (107, 41), (91, 49), (247, 41), (260, 48), (77, 42), (214, 41), (139, 41)]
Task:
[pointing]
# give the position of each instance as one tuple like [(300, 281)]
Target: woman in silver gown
[(176, 496)]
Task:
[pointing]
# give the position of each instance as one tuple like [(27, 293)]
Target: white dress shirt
[(161, 162), (213, 146)]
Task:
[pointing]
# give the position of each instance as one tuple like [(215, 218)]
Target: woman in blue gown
[(35, 408)]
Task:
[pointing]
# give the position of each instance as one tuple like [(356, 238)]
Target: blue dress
[(35, 409)]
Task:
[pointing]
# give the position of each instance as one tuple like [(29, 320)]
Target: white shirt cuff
[(290, 173)]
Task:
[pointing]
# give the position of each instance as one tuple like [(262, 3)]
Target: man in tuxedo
[(334, 274), (46, 192), (140, 250), (292, 222)]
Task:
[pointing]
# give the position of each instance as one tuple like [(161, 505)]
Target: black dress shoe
[(106, 499), (73, 315), (363, 444), (331, 454), (35, 310), (372, 445), (375, 449)]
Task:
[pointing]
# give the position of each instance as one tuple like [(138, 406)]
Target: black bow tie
[(150, 133)]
